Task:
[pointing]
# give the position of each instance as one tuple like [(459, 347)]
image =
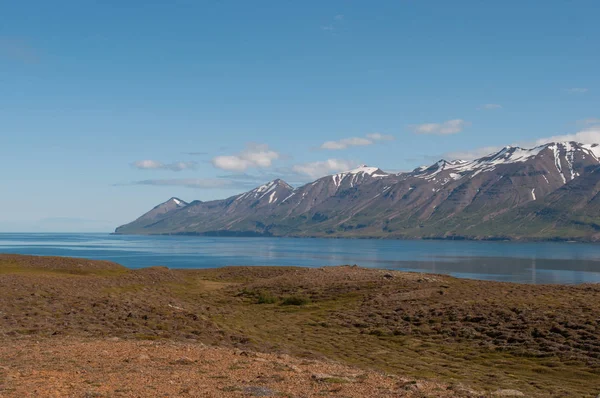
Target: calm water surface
[(549, 262)]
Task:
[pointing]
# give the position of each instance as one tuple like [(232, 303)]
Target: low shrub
[(266, 298), (295, 300)]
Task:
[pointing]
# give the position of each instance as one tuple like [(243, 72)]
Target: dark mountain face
[(570, 212), (448, 198)]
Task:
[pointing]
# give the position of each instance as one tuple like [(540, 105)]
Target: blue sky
[(107, 109)]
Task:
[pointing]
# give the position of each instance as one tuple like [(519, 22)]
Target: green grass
[(266, 298)]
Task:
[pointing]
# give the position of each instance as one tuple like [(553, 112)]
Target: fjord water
[(544, 262)]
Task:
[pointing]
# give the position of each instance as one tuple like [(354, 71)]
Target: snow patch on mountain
[(556, 151), (263, 190), (364, 169), (293, 193), (593, 150), (272, 198), (358, 174), (178, 202), (563, 152)]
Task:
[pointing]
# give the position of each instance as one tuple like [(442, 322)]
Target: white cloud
[(490, 107), (472, 154), (380, 137), (254, 156), (323, 168), (589, 135), (156, 165), (578, 90), (233, 163), (586, 136), (589, 121), (448, 127), (345, 143), (207, 183), (339, 17)]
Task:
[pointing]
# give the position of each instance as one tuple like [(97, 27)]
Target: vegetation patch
[(295, 300)]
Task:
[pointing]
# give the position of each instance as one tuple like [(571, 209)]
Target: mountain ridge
[(459, 199)]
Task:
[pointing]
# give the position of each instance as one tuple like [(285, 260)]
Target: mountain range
[(550, 192)]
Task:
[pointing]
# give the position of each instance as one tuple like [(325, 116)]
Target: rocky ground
[(73, 327), (120, 368)]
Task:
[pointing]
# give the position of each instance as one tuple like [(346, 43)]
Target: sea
[(537, 263)]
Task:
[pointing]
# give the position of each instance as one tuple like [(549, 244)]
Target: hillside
[(494, 197), (75, 327)]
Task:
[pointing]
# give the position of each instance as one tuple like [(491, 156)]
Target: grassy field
[(541, 340)]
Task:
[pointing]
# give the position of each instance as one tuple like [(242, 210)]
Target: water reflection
[(502, 261)]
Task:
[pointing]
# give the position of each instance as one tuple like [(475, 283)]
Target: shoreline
[(243, 234), (407, 270), (574, 268)]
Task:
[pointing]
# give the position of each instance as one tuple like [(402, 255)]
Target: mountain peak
[(365, 169), (279, 181), (269, 186), (178, 202), (357, 175), (272, 190)]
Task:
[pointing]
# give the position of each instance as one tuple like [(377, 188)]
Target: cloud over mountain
[(254, 156), (322, 168)]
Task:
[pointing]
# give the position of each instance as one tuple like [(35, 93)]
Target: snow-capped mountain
[(565, 155), (445, 199), (272, 193), (159, 212), (164, 208)]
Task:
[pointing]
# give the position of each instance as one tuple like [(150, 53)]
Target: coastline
[(252, 234)]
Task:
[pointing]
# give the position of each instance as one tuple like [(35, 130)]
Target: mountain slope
[(158, 213), (571, 212), (483, 198)]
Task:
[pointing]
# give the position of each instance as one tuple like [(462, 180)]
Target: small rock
[(294, 368), (411, 385), (320, 376), (324, 378), (183, 361), (388, 275), (144, 357), (508, 393), (114, 339)]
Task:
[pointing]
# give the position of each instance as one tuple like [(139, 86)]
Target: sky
[(108, 108)]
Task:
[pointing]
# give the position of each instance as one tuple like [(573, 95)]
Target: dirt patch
[(117, 368)]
